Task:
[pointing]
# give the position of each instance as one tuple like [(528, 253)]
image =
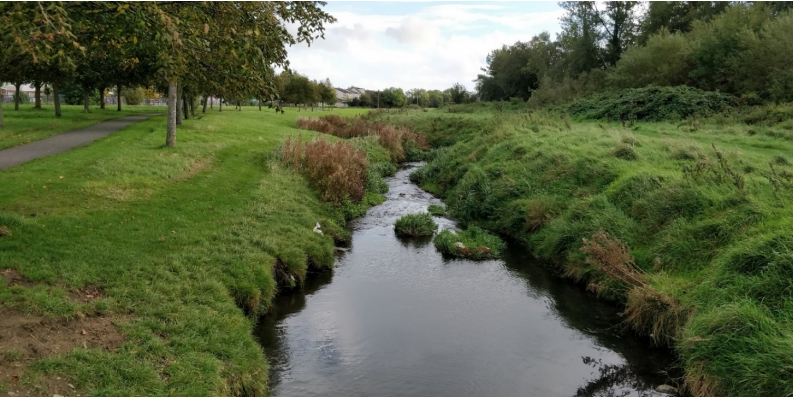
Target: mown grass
[(29, 124), (189, 243), (420, 224), (704, 205)]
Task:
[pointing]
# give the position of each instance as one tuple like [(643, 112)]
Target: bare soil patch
[(27, 338)]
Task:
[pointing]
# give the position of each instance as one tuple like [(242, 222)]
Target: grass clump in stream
[(420, 224), (472, 243), (436, 210)]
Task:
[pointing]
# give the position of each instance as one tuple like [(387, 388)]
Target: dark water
[(397, 319)]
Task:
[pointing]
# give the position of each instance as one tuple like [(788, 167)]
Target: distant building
[(8, 88), (345, 95)]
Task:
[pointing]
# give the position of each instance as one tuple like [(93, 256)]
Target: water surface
[(397, 319)]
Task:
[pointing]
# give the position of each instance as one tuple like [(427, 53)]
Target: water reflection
[(398, 319)]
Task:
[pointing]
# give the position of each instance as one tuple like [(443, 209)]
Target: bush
[(473, 243), (337, 170), (652, 104), (420, 224), (134, 96)]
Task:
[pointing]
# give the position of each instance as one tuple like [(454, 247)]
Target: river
[(395, 318)]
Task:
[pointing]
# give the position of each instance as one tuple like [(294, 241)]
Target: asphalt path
[(66, 141)]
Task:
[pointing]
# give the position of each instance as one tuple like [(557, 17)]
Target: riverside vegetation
[(683, 220), (175, 251)]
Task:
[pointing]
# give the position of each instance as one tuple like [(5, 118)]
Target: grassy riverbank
[(696, 216), (29, 124), (136, 264)]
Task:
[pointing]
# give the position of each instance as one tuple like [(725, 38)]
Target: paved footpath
[(64, 142)]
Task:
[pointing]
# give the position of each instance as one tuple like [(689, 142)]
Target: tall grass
[(420, 224), (337, 170), (400, 142)]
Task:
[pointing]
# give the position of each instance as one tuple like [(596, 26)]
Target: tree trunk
[(56, 99), (178, 107), (37, 84), (220, 104), (102, 98), (260, 104), (205, 104), (170, 139), (118, 97), (211, 101), (16, 95), (185, 108), (192, 106), (86, 101)]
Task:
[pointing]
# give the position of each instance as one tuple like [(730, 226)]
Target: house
[(7, 91), (345, 96)]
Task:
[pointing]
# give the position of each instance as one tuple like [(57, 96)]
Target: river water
[(395, 318)]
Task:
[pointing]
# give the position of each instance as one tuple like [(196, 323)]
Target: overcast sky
[(376, 45)]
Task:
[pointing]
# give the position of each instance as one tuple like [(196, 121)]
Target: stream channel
[(396, 318)]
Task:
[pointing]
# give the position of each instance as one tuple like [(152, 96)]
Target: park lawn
[(29, 124), (176, 245), (704, 205)]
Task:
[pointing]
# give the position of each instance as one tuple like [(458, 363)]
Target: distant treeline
[(742, 49)]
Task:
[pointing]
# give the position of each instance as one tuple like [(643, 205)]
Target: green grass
[(420, 224), (436, 210), (182, 241), (29, 124), (706, 217), (472, 243)]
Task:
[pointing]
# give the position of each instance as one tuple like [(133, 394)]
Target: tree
[(327, 94), (435, 98), (393, 97), (620, 29), (458, 94)]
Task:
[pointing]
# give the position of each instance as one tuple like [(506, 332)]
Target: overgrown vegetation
[(685, 223), (337, 170), (402, 143), (472, 243), (420, 224)]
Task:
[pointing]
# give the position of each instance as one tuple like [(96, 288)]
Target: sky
[(429, 45)]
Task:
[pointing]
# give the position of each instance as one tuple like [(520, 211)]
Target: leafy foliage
[(652, 104)]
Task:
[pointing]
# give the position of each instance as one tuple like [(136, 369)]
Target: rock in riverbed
[(666, 389)]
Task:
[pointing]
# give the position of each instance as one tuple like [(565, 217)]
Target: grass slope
[(705, 206), (177, 239), (29, 124)]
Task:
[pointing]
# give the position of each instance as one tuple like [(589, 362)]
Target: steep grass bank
[(180, 247), (29, 124), (686, 223)]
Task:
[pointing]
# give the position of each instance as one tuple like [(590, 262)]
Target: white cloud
[(432, 47)]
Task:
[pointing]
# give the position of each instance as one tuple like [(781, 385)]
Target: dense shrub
[(473, 243), (337, 170), (652, 104), (134, 96), (420, 224)]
